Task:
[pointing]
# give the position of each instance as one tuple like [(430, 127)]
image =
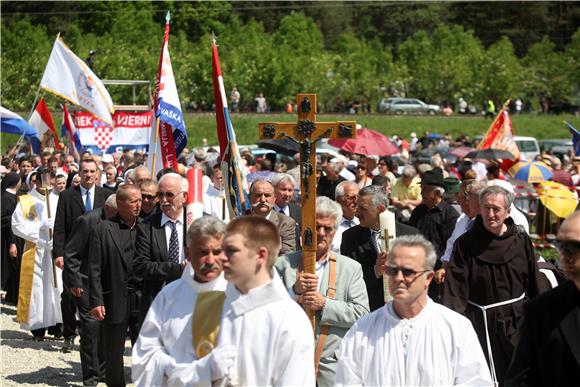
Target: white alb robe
[(44, 309), (272, 335), (165, 339), (438, 347)]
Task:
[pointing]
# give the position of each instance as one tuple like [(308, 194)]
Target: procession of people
[(458, 296)]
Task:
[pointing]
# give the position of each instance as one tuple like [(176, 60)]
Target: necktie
[(88, 202), (281, 210), (173, 244)]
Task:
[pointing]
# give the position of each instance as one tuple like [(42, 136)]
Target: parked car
[(407, 106), (528, 147), (557, 147)]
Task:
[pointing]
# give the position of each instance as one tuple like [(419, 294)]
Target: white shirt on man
[(91, 194), (344, 225), (438, 347)]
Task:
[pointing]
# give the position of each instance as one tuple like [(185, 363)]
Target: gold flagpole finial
[(213, 38)]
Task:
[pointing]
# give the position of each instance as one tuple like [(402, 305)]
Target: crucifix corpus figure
[(306, 133)]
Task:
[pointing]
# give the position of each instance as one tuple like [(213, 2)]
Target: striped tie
[(173, 244)]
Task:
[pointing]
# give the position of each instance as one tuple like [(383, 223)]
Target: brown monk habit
[(486, 269)]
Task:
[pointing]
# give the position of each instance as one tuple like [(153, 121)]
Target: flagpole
[(503, 108), (237, 176), (153, 163)]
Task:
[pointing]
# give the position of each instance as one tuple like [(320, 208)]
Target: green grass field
[(202, 125)]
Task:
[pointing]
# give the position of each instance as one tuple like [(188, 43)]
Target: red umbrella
[(461, 151), (367, 142)]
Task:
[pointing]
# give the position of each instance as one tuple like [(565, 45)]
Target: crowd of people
[(99, 247)]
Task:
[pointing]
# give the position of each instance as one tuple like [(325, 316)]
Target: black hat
[(433, 177)]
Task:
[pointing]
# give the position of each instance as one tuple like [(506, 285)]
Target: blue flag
[(575, 138), (14, 124)]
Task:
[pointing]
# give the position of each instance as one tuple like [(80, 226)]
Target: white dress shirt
[(344, 225), (84, 195)]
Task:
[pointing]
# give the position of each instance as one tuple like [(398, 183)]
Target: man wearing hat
[(451, 192), (434, 217)]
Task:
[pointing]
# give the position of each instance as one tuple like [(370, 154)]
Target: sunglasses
[(392, 271), (148, 197), (567, 248)]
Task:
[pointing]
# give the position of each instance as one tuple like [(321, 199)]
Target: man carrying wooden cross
[(336, 293)]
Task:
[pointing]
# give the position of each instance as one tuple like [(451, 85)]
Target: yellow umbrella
[(557, 198)]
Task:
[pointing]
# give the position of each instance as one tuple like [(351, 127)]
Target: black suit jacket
[(295, 212), (151, 262), (76, 262), (111, 270), (70, 207), (357, 244), (548, 353)]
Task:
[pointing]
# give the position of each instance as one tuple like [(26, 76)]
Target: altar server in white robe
[(40, 281), (412, 341), (166, 339), (266, 331)]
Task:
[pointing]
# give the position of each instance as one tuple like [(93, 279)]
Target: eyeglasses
[(567, 248), (407, 273), (149, 197), (170, 195)]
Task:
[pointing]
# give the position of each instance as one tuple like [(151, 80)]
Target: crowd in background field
[(436, 198)]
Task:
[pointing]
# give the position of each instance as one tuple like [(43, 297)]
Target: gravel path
[(25, 362)]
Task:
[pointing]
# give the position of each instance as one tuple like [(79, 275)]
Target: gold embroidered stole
[(27, 265), (205, 324)]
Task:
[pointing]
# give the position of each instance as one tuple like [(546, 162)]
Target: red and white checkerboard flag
[(103, 134)]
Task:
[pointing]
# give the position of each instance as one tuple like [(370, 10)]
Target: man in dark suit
[(284, 186), (112, 278), (11, 244), (362, 243), (548, 353), (72, 203), (75, 278), (262, 199), (159, 255)]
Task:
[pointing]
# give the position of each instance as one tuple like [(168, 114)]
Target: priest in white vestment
[(412, 341), (166, 337), (40, 281), (265, 338)]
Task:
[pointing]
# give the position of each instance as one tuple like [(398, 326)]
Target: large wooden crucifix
[(306, 133)]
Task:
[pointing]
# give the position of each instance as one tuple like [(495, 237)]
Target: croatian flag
[(168, 136), (14, 124), (41, 119), (68, 77), (69, 130), (231, 162)]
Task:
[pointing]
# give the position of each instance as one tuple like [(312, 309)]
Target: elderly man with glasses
[(160, 255), (426, 343), (548, 353)]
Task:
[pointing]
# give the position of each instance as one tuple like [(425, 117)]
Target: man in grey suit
[(336, 293), (262, 199)]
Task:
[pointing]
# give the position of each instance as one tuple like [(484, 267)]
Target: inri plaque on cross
[(306, 133)]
